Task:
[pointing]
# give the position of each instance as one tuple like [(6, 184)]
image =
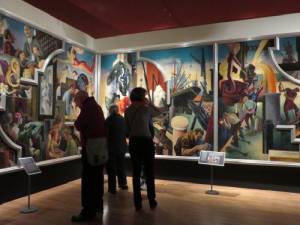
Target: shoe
[(80, 218), (124, 187), (153, 204)]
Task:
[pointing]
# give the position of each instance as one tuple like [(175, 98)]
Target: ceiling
[(106, 18)]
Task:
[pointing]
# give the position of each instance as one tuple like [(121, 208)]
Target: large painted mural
[(39, 77), (179, 80), (258, 100)]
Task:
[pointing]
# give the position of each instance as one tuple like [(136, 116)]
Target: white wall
[(27, 13), (220, 32)]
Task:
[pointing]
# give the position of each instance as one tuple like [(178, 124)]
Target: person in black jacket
[(138, 117), (117, 147), (91, 124)]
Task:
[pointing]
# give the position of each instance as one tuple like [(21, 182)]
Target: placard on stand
[(212, 159), (31, 169)]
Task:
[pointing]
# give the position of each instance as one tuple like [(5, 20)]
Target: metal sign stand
[(212, 158), (212, 191), (30, 168), (29, 208)]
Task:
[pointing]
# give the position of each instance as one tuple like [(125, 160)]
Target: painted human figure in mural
[(9, 40), (45, 99), (38, 57), (30, 42), (54, 139), (3, 27), (68, 98), (80, 64), (232, 90), (247, 111), (289, 54), (52, 150), (71, 147), (26, 66), (163, 145), (118, 82), (17, 120), (31, 139), (291, 110), (191, 143)]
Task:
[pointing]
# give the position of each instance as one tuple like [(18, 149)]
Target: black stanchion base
[(212, 192), (27, 210)]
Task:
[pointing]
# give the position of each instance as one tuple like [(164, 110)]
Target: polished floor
[(179, 203)]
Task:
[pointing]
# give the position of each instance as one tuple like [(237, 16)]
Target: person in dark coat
[(138, 117), (117, 147), (90, 124)]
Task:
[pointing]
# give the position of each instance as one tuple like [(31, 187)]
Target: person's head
[(67, 134), (113, 109), (198, 133), (57, 124), (138, 94), (22, 56), (80, 97), (36, 50), (74, 73), (17, 118), (8, 35), (27, 31), (245, 99)]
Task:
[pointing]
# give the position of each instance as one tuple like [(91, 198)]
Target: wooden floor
[(179, 203)]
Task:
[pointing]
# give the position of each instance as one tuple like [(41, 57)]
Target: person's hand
[(201, 147)]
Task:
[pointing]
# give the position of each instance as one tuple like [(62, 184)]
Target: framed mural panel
[(179, 80), (75, 71), (182, 80), (37, 72)]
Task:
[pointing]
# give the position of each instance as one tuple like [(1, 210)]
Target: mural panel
[(37, 87), (180, 80)]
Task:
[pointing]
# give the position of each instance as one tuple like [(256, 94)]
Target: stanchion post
[(212, 191)]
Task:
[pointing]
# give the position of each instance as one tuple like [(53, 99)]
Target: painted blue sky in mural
[(185, 55), (17, 30), (107, 61), (252, 47), (87, 56)]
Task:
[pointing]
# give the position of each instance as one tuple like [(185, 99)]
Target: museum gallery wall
[(258, 100), (39, 76), (257, 92)]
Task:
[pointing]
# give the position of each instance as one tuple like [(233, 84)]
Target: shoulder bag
[(96, 150)]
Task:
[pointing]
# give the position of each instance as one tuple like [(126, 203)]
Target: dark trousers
[(142, 153), (92, 182), (115, 167)]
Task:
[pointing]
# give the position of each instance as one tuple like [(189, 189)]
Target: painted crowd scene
[(39, 77)]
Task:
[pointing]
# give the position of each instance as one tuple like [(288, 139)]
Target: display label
[(29, 165), (212, 158)]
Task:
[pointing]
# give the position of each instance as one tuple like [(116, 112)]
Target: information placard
[(29, 166), (212, 158)]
